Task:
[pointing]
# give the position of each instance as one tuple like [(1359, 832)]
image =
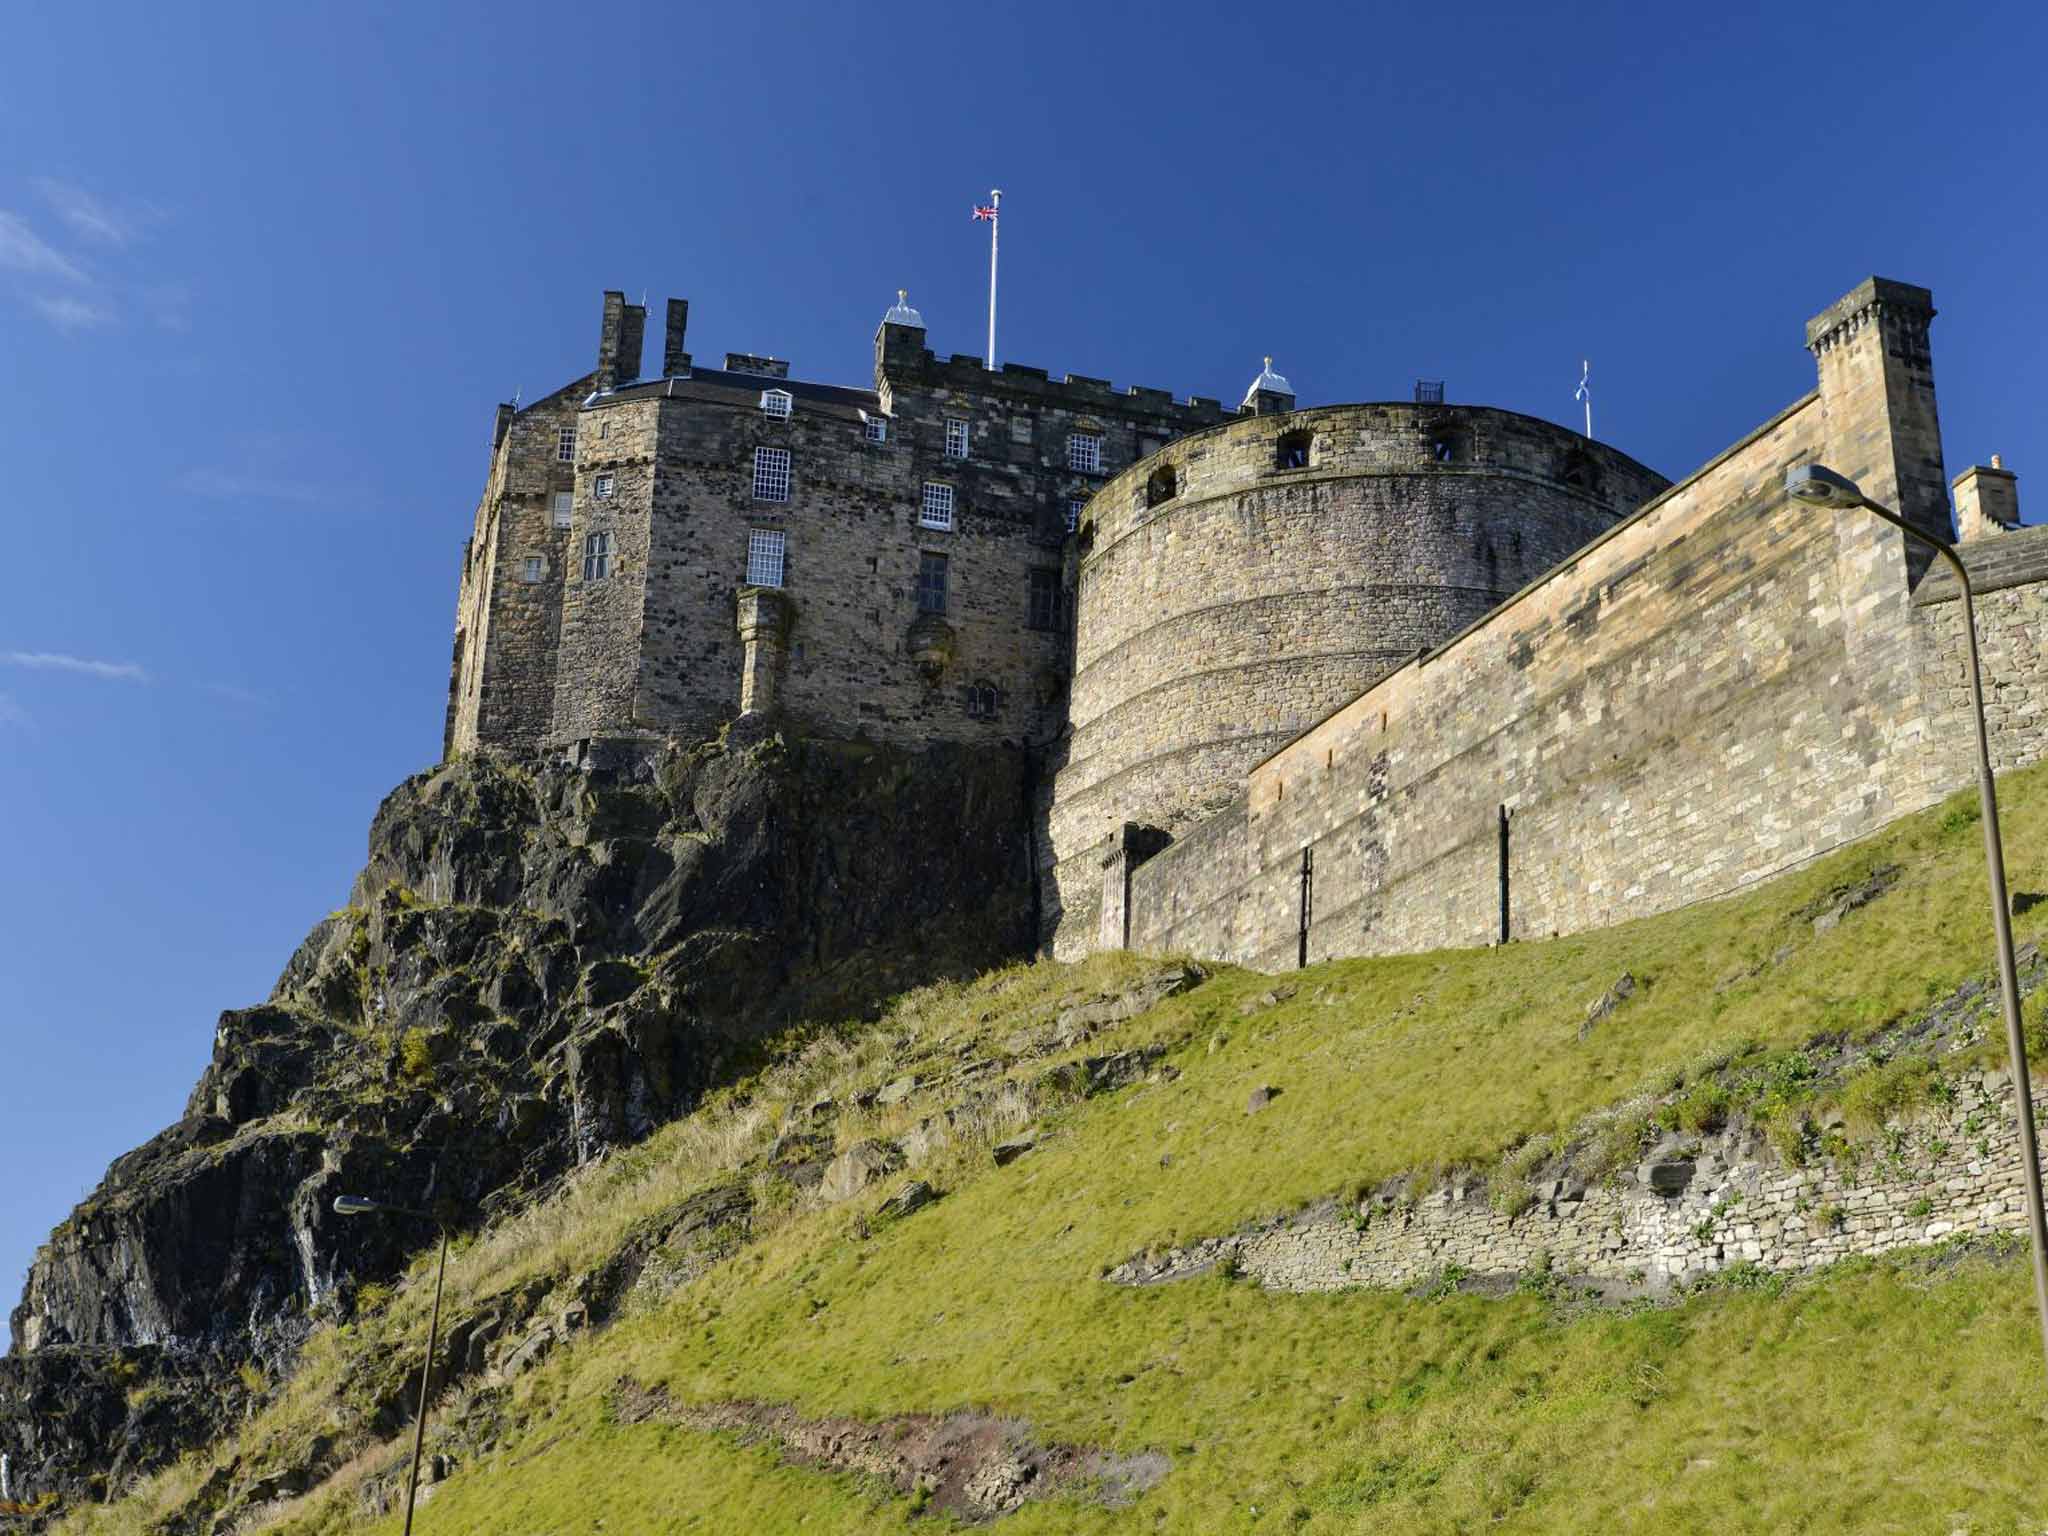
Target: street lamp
[(1818, 486), (360, 1205)]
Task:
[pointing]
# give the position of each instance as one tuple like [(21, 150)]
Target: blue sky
[(264, 271)]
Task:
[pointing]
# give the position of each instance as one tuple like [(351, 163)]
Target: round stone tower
[(1243, 582)]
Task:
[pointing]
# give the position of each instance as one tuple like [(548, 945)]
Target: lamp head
[(1819, 486), (355, 1205)]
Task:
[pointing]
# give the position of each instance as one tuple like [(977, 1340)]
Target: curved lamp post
[(1819, 486), (359, 1205)]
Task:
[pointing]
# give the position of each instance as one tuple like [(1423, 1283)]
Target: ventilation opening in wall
[(1578, 470), (1451, 448), (1164, 485), (1292, 450)]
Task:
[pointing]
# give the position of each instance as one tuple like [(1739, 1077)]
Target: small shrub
[(1919, 1208), (1704, 1109), (416, 1056), (251, 1376), (1885, 1091), (1830, 1218), (1512, 1197)]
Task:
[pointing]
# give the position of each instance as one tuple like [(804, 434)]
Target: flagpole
[(995, 224), (1585, 392)]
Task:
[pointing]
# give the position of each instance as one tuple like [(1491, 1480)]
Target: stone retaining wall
[(1954, 1172)]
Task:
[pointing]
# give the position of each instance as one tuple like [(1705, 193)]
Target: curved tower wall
[(1229, 596)]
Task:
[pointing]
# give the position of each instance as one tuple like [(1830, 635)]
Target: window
[(1044, 611), (565, 508), (936, 510), (1162, 486), (776, 402), (1084, 452), (603, 487), (565, 445), (1292, 452), (535, 569), (956, 438), (931, 583), (604, 429), (771, 474), (1074, 506), (874, 428), (982, 701), (597, 556), (767, 551)]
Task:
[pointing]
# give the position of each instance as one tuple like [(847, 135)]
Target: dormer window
[(1084, 452), (776, 403)]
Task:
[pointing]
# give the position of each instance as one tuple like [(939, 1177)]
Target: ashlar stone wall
[(2009, 572), (1726, 685), (1245, 582)]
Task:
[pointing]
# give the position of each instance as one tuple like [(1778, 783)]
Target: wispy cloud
[(57, 661), (89, 217), (239, 485), (23, 250), (72, 314)]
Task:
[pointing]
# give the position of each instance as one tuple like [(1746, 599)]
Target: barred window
[(931, 583), (776, 402), (956, 438), (875, 428), (535, 569), (1043, 611), (565, 445), (565, 508), (771, 474), (767, 553), (603, 487), (1084, 452), (597, 556), (936, 510), (982, 701), (1074, 506)]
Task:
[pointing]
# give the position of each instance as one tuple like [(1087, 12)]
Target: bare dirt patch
[(974, 1466)]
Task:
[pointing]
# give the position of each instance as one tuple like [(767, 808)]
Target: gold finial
[(903, 296), (1269, 365)]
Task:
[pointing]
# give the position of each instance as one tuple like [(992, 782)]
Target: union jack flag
[(985, 213)]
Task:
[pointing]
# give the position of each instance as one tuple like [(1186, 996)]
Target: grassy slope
[(1882, 1397)]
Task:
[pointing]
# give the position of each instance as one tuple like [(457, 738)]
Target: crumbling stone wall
[(1230, 596), (1953, 1172)]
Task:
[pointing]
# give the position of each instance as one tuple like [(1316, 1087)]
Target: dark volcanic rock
[(536, 964)]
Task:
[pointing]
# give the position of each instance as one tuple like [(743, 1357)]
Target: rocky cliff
[(535, 965)]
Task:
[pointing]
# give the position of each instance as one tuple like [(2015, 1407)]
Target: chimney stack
[(675, 362), (608, 338), (1987, 501)]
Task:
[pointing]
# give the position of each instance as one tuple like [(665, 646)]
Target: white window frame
[(564, 511), (874, 429), (1075, 504), (1084, 452), (603, 487), (935, 507), (534, 569), (771, 474), (565, 445), (956, 437), (777, 403), (767, 557), (597, 556)]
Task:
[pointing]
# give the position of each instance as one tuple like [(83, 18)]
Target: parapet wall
[(1727, 685)]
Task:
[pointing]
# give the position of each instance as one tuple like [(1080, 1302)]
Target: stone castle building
[(1302, 682)]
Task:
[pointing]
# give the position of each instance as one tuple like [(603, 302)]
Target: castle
[(1302, 682)]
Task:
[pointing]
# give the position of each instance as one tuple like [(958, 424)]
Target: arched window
[(1163, 486), (1293, 450), (982, 701)]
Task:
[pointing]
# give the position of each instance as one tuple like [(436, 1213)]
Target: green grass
[(1880, 1397)]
